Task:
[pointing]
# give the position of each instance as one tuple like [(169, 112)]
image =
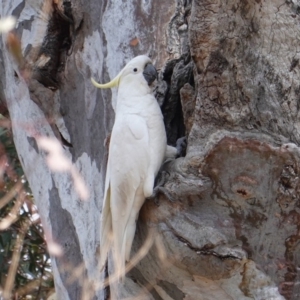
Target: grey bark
[(229, 81)]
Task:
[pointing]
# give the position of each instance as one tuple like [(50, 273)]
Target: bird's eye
[(135, 70)]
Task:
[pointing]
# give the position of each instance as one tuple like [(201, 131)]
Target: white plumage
[(136, 151)]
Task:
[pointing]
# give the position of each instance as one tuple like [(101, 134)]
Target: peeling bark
[(228, 81)]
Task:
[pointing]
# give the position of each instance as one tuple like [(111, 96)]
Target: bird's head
[(139, 69)]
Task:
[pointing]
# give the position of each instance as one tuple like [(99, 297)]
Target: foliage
[(23, 241)]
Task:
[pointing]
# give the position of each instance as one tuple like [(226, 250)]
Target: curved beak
[(112, 83), (150, 73)]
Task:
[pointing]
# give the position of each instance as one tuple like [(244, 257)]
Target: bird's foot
[(181, 145), (159, 188), (162, 190)]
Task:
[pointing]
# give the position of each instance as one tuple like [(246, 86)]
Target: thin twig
[(15, 262), (133, 262), (11, 194)]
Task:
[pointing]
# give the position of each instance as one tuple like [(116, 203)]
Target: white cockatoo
[(136, 151)]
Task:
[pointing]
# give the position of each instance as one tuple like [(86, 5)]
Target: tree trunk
[(229, 81)]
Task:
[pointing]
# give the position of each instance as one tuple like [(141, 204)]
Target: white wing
[(126, 171), (106, 223)]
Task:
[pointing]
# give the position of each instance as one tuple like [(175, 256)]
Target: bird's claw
[(160, 181), (181, 145)]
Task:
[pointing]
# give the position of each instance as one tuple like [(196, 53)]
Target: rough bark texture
[(229, 81)]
